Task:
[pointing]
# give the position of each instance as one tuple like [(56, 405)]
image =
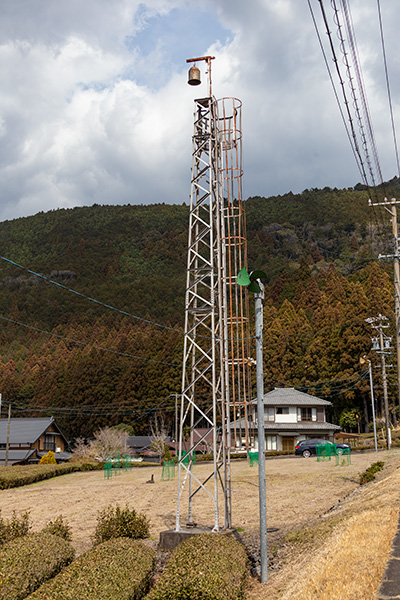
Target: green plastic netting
[(168, 470), (252, 458)]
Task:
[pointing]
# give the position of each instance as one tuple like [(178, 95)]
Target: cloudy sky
[(95, 108)]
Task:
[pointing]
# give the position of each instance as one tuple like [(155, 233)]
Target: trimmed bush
[(15, 527), (28, 561), (48, 459), (116, 522), (59, 527), (116, 570), (207, 567), (369, 474)]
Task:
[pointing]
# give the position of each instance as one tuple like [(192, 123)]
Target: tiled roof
[(300, 426), (305, 426), (139, 442), (24, 431), (292, 397), (15, 455)]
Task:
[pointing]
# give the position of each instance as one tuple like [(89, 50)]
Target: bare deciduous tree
[(106, 442), (158, 430)]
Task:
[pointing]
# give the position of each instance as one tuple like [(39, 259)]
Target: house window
[(271, 442), (320, 415), (270, 414), (283, 410), (306, 414), (49, 443)]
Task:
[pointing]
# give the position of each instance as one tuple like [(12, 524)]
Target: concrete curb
[(390, 586)]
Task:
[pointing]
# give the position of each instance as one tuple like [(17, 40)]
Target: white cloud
[(94, 105)]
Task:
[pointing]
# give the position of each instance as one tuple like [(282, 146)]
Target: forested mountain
[(69, 354)]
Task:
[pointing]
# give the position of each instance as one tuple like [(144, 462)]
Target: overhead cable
[(388, 87), (118, 310), (345, 99), (352, 145), (94, 346), (357, 69)]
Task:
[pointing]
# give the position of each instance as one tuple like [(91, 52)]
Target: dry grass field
[(310, 505)]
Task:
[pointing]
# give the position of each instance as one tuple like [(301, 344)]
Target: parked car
[(308, 447)]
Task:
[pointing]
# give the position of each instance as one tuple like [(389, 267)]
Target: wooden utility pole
[(391, 207)]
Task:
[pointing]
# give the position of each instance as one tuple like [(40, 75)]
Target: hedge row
[(26, 562), (208, 566), (369, 474), (25, 474), (119, 569)]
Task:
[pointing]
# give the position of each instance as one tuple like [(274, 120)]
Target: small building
[(30, 439), (137, 444), (289, 416)]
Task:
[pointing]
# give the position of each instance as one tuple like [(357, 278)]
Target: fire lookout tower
[(216, 385)]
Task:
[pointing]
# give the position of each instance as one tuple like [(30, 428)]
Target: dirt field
[(298, 492)]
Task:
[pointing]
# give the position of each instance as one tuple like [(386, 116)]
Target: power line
[(353, 137), (94, 346), (64, 287), (345, 99), (99, 302), (356, 156), (357, 68), (388, 86)]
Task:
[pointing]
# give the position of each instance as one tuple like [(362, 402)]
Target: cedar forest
[(64, 355)]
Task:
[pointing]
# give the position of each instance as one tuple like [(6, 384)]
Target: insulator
[(194, 76)]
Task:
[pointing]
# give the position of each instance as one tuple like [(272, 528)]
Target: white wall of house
[(289, 414)]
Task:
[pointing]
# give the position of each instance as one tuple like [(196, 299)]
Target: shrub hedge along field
[(26, 562), (24, 475), (206, 567), (119, 569)]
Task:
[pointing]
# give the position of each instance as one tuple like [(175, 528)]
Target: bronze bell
[(194, 76)]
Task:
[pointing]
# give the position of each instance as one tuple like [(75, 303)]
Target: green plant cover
[(119, 569)]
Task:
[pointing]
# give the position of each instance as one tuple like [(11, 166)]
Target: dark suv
[(308, 447)]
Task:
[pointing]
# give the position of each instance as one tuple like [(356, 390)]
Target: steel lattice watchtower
[(216, 363)]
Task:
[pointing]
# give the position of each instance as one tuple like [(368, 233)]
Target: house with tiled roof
[(289, 417), (31, 438)]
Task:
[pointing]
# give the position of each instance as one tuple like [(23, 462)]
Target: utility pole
[(363, 360), (258, 298), (391, 207), (176, 418), (373, 403), (8, 435), (382, 346)]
